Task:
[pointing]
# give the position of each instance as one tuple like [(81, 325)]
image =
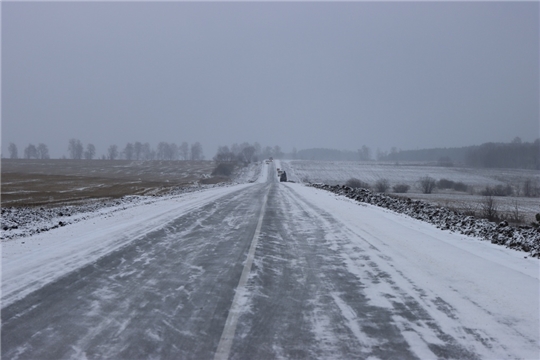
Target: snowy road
[(265, 270)]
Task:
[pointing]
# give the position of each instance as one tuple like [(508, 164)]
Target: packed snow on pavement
[(525, 238), (478, 293), (41, 244), (30, 262)]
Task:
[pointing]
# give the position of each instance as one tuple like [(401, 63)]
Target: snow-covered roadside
[(525, 238), (21, 222), (31, 262), (40, 249), (249, 174), (478, 292)]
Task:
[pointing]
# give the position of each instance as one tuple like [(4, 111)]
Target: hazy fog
[(336, 75)]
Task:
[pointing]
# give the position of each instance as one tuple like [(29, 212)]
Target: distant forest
[(515, 154)]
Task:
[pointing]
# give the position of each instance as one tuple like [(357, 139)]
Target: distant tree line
[(228, 158), (30, 152), (447, 156), (246, 153), (164, 151), (132, 151), (515, 154)]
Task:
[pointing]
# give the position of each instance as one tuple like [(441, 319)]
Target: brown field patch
[(55, 181)]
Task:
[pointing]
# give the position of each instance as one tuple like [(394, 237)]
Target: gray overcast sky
[(336, 75)]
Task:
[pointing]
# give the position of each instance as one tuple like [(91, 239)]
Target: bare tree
[(247, 154), (224, 154), (42, 151), (75, 149), (138, 149), (400, 188), (128, 151), (196, 151), (13, 152), (530, 188), (489, 208), (382, 185), (113, 152), (364, 153), (173, 151), (166, 151), (357, 183), (90, 152), (516, 216), (147, 152), (30, 152), (162, 150), (427, 184), (184, 150)]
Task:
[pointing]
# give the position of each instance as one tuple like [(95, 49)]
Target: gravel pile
[(524, 238)]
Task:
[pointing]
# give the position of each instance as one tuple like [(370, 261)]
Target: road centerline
[(227, 336)]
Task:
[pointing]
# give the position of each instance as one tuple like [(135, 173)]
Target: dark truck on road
[(283, 176)]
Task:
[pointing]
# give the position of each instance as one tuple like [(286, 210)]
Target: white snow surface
[(31, 262), (338, 172), (250, 173), (493, 291)]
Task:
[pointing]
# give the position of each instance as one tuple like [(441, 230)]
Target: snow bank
[(524, 238), (248, 174), (21, 222)]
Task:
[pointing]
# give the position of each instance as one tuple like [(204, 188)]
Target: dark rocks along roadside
[(524, 238)]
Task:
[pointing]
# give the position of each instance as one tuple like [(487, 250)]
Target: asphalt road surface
[(260, 273)]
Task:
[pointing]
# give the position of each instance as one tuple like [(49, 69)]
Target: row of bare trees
[(132, 151), (246, 152), (76, 150), (164, 151), (30, 152)]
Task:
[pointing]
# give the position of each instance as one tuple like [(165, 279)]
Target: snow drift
[(524, 238)]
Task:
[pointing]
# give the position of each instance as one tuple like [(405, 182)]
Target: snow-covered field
[(338, 172)]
